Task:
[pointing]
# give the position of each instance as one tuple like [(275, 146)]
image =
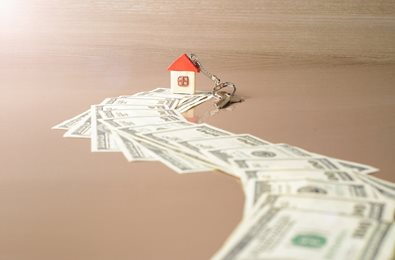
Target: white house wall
[(174, 82)]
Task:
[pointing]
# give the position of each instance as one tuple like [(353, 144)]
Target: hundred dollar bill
[(161, 90), (184, 101), (324, 175), (379, 210), (255, 188), (109, 107), (123, 113), (102, 139), (192, 103), (80, 130), (357, 167), (174, 160), (158, 95), (224, 155), (220, 142), (186, 156), (381, 182), (169, 103), (131, 149), (387, 190), (167, 91), (196, 147), (172, 101), (319, 163), (140, 120), (135, 101), (131, 131), (67, 124), (162, 93), (173, 136), (284, 233)]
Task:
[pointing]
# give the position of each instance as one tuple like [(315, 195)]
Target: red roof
[(183, 63)]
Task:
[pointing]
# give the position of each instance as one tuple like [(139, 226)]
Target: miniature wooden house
[(182, 75)]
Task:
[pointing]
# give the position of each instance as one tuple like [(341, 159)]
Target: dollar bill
[(124, 113), (220, 142), (169, 103), (185, 106), (173, 136), (319, 163), (374, 209), (174, 160), (139, 121), (133, 130), (174, 100), (186, 156), (225, 155), (286, 233), (313, 174), (80, 130), (67, 124), (158, 95), (197, 147), (357, 167), (381, 182), (108, 107), (131, 149), (144, 101), (172, 103), (102, 139), (255, 188), (386, 190), (169, 92), (181, 98), (163, 93)]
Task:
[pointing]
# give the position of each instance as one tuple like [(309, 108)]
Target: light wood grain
[(253, 33)]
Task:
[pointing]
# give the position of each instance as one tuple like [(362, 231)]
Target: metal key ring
[(224, 85)]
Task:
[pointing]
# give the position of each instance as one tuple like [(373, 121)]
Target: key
[(224, 99), (235, 99)]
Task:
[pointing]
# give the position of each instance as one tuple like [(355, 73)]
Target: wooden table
[(314, 74)]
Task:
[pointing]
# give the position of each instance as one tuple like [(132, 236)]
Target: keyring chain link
[(211, 76), (214, 78)]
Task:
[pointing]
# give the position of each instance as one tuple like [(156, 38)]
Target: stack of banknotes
[(298, 204)]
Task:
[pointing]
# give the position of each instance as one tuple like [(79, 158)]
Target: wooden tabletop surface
[(315, 74)]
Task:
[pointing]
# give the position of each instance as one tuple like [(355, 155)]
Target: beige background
[(316, 74)]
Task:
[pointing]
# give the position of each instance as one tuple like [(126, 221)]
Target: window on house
[(183, 81)]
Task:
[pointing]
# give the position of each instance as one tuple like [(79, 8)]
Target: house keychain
[(183, 80)]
